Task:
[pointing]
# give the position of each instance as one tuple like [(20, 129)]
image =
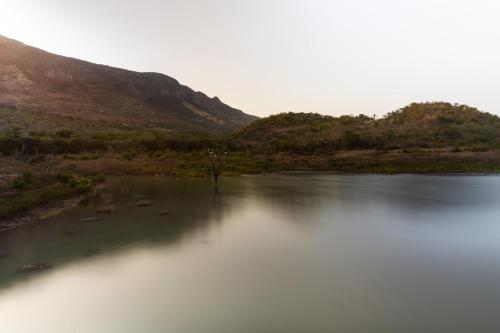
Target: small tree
[(217, 163)]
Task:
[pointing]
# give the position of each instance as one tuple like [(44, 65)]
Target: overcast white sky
[(269, 56)]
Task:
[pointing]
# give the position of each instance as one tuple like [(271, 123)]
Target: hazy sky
[(269, 56)]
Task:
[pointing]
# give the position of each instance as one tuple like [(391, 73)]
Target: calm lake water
[(283, 253)]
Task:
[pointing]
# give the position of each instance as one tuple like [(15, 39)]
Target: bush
[(99, 178), (65, 134), (82, 184), (64, 177), (21, 181)]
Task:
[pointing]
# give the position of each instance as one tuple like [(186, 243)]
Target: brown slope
[(33, 79)]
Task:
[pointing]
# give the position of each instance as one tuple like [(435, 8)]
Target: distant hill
[(419, 125), (45, 83)]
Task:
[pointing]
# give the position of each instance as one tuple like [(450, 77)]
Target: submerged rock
[(144, 203), (105, 209), (108, 201), (164, 212), (90, 219), (72, 231), (92, 252), (33, 267)]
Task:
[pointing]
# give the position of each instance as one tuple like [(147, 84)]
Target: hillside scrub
[(427, 125), (419, 133)]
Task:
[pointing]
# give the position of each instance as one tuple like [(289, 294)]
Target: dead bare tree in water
[(48, 162), (217, 163)]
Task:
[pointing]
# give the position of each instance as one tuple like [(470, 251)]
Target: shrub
[(82, 184), (99, 178), (65, 134), (64, 177), (21, 181)]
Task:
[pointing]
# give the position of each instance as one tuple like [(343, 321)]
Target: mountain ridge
[(33, 79)]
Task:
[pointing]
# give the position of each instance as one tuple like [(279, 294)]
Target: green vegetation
[(28, 133), (46, 191), (19, 202), (21, 181), (417, 126), (425, 126), (82, 184), (37, 137)]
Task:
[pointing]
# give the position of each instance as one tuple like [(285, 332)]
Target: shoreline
[(237, 164), (305, 172), (40, 213)]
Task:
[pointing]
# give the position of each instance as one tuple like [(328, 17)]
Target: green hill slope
[(425, 125)]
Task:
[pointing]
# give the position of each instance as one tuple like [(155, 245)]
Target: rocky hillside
[(35, 80)]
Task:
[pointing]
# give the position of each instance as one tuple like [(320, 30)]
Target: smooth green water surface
[(283, 253)]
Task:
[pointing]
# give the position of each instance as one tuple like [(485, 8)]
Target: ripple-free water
[(283, 253)]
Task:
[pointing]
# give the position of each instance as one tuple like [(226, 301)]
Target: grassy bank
[(21, 193), (197, 163), (23, 201)]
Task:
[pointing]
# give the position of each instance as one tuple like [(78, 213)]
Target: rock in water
[(105, 209), (72, 231), (33, 267), (92, 253), (144, 203), (89, 219)]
